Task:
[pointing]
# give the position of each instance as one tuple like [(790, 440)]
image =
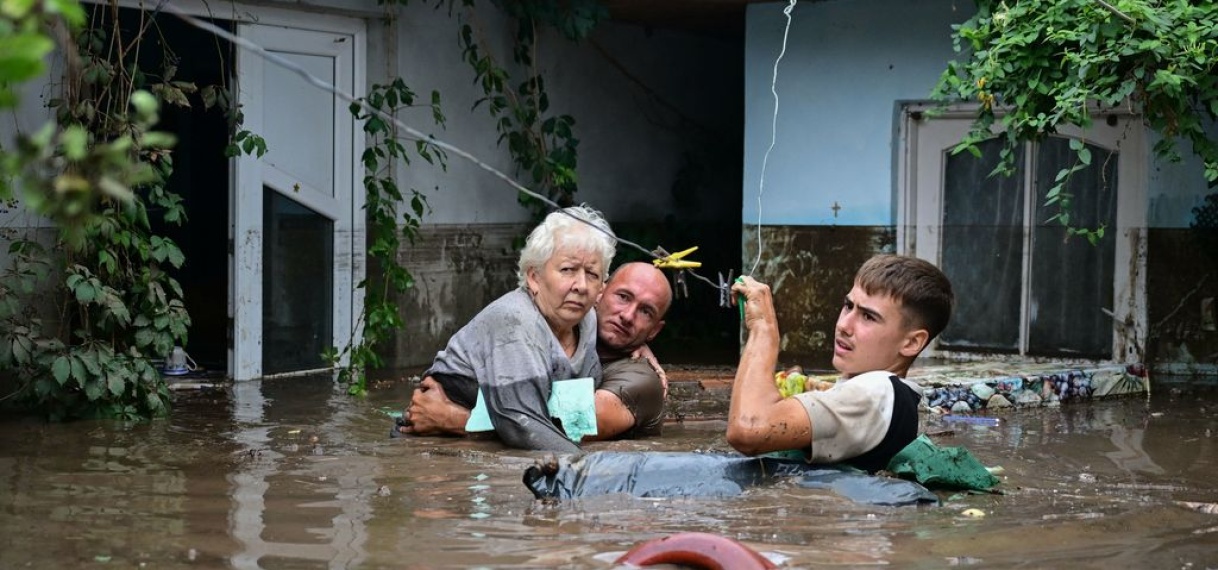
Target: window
[(1023, 286)]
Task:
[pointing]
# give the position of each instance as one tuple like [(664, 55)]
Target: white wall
[(847, 64), (27, 118)]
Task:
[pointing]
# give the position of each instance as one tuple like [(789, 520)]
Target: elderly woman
[(543, 331)]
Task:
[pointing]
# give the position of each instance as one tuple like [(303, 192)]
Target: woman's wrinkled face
[(566, 287)]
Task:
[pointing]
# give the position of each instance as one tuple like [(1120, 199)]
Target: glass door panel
[(1072, 283), (1023, 285), (982, 249), (297, 285)]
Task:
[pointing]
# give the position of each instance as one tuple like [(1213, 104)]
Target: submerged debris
[(1207, 508)]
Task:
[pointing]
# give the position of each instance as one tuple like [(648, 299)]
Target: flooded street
[(295, 474)]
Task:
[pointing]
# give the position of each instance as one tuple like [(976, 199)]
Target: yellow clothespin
[(674, 261)]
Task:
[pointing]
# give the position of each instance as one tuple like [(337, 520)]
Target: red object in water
[(696, 550)]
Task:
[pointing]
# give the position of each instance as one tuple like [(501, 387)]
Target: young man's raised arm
[(759, 419)]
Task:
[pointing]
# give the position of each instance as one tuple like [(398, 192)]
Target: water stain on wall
[(458, 270), (1180, 276), (461, 268), (810, 270)]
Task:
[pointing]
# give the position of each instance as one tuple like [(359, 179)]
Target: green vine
[(99, 172), (542, 144), (388, 224), (1038, 65)]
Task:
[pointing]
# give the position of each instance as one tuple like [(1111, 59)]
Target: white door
[(1024, 287), (297, 218)]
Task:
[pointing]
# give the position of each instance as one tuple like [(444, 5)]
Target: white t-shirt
[(853, 416)]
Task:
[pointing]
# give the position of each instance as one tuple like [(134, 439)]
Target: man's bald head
[(631, 309)]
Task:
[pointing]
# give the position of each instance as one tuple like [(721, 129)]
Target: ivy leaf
[(171, 94), (178, 328), (71, 11), (208, 94), (144, 337), (114, 188), (154, 403), (117, 308), (85, 293), (116, 384), (94, 389), (75, 141), (78, 369), (21, 55), (92, 365), (158, 140), (107, 261), (175, 256), (61, 369), (23, 349)]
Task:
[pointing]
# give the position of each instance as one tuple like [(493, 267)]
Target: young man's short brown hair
[(924, 292)]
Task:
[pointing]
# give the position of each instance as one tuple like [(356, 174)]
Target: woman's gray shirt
[(509, 351)]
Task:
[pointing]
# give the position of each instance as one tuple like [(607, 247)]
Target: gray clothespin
[(725, 289)]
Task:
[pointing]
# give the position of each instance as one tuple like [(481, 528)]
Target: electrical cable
[(432, 140)]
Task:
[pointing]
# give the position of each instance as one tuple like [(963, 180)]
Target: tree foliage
[(1037, 65)]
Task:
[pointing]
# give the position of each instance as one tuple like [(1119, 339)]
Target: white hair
[(577, 227)]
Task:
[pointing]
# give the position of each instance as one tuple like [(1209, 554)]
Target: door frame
[(248, 174), (337, 20), (917, 197)]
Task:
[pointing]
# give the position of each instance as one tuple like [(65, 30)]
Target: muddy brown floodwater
[(295, 474)]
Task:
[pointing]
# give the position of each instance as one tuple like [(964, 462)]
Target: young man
[(630, 395), (897, 306)]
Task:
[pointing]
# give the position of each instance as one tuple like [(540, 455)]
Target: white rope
[(416, 134), (773, 129)]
